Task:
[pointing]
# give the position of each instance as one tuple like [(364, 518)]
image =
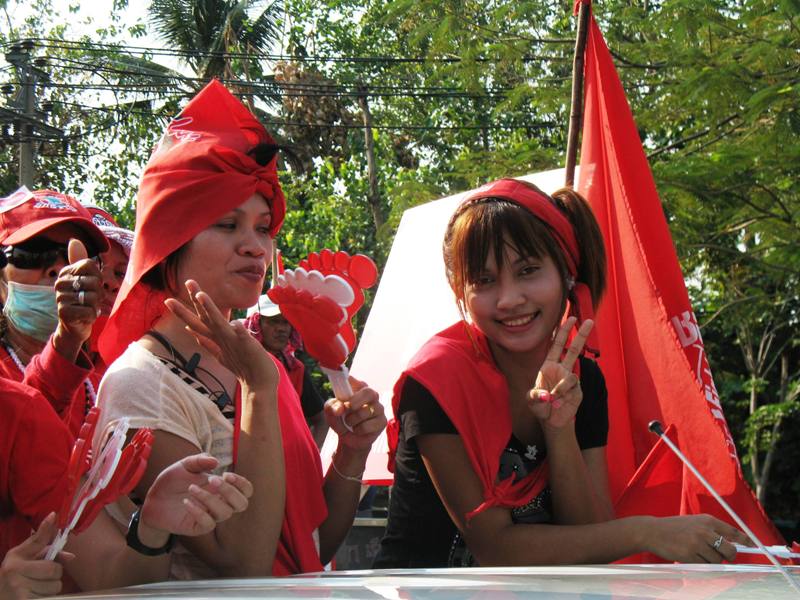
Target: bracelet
[(132, 538), (342, 475)]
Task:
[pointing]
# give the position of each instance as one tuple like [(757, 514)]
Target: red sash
[(305, 506), (473, 393)]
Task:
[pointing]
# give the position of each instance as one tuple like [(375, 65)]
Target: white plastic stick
[(656, 428), (779, 551), (340, 381)]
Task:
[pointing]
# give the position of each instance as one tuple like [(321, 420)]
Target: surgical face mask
[(32, 309)]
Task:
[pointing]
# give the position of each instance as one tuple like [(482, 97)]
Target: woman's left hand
[(359, 420), (185, 499), (557, 394)]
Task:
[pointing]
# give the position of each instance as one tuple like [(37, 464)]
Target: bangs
[(500, 225), (495, 225)]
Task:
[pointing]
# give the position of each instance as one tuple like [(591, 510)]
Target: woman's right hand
[(691, 539), (24, 573), (230, 343), (557, 393)]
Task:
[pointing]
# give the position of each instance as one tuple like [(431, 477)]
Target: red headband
[(199, 171), (542, 207)]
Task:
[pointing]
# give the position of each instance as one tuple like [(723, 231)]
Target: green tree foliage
[(464, 91)]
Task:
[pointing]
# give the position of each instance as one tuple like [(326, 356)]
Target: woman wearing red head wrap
[(499, 444), (208, 206)]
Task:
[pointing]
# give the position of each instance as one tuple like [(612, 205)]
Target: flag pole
[(576, 109)]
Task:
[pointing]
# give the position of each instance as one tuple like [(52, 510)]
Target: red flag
[(652, 353)]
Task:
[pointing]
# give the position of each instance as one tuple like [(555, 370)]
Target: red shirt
[(60, 381), (34, 453)]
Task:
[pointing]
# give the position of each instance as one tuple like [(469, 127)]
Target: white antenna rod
[(656, 428)]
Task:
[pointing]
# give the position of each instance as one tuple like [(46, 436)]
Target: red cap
[(199, 171), (25, 214), (106, 223)]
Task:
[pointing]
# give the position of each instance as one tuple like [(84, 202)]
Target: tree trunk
[(753, 405), (763, 480), (373, 195)]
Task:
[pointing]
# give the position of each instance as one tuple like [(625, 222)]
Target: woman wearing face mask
[(50, 305)]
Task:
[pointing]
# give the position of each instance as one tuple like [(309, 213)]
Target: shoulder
[(27, 416), (19, 401), (136, 358), (450, 346)]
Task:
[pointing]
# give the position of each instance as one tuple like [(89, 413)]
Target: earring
[(570, 282)]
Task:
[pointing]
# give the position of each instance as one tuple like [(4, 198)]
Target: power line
[(302, 85), (87, 46), (398, 126)]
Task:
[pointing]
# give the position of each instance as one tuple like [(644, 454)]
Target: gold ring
[(371, 410)]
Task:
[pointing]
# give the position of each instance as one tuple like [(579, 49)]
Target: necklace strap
[(188, 366)]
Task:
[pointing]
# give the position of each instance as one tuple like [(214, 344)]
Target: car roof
[(517, 583)]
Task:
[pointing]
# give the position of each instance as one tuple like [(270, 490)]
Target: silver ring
[(718, 543), (81, 297), (76, 284)]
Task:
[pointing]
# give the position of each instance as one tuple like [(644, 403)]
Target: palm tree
[(220, 38)]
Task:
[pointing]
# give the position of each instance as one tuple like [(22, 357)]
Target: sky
[(89, 17)]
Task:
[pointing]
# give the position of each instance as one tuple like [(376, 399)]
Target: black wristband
[(134, 542)]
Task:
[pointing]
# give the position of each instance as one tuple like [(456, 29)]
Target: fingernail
[(545, 396), (557, 403)]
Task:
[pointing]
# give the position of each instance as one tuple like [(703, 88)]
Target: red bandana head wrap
[(545, 209), (199, 171)]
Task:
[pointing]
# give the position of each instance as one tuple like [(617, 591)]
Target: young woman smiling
[(499, 442)]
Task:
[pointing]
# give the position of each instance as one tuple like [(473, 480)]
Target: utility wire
[(87, 46), (278, 123), (304, 85)]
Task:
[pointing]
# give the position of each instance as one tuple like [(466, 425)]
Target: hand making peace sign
[(557, 394)]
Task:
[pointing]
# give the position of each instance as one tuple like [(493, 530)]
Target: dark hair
[(164, 276), (490, 224), (263, 154)]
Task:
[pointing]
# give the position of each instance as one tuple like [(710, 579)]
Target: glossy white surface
[(673, 582)]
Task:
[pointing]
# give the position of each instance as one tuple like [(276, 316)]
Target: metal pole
[(28, 101), (576, 109)]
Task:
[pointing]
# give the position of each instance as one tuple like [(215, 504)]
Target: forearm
[(67, 345), (574, 499), (57, 377), (342, 496), (247, 542), (598, 543), (319, 428), (104, 543)]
